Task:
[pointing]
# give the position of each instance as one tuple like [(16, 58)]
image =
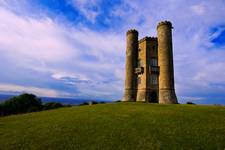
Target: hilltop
[(117, 126)]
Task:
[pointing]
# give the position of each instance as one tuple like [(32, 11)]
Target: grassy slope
[(117, 126)]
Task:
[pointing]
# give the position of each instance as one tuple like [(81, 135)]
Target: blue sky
[(76, 48)]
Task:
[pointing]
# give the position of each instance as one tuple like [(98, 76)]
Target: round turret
[(131, 63), (165, 60), (167, 23)]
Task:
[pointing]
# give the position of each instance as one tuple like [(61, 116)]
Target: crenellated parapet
[(168, 23), (144, 39), (134, 31), (147, 38)]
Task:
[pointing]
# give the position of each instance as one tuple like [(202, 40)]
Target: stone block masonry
[(149, 67)]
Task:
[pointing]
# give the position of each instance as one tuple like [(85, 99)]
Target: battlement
[(153, 39), (164, 23), (132, 31), (144, 39), (147, 38)]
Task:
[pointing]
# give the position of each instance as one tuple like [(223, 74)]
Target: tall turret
[(165, 60), (131, 64)]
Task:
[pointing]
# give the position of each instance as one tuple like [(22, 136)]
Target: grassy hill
[(117, 126)]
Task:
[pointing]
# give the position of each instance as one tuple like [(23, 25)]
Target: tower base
[(142, 96), (167, 97), (129, 96)]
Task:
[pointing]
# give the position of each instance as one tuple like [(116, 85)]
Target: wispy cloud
[(43, 46), (12, 88), (198, 9), (89, 8)]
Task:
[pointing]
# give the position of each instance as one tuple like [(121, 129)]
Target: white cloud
[(60, 75), (192, 98), (198, 9), (40, 40), (12, 88), (89, 8), (44, 46)]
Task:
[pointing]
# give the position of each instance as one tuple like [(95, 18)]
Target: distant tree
[(26, 103), (190, 103), (1, 111), (51, 105), (92, 102), (117, 101), (84, 103), (21, 104)]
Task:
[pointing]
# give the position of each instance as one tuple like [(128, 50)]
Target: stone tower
[(165, 57), (131, 63), (149, 67)]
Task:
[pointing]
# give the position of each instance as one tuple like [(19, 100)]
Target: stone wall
[(165, 57), (141, 73)]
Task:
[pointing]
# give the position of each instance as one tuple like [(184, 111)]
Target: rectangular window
[(154, 79), (153, 62), (154, 50)]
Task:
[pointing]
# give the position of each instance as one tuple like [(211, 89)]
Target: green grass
[(128, 126)]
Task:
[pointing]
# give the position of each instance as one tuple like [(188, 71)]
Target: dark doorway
[(153, 97)]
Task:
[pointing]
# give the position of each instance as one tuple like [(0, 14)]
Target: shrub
[(190, 103), (117, 101), (93, 102), (1, 111), (84, 103), (52, 105)]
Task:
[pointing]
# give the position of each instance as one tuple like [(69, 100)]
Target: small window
[(139, 49), (139, 80), (154, 50)]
